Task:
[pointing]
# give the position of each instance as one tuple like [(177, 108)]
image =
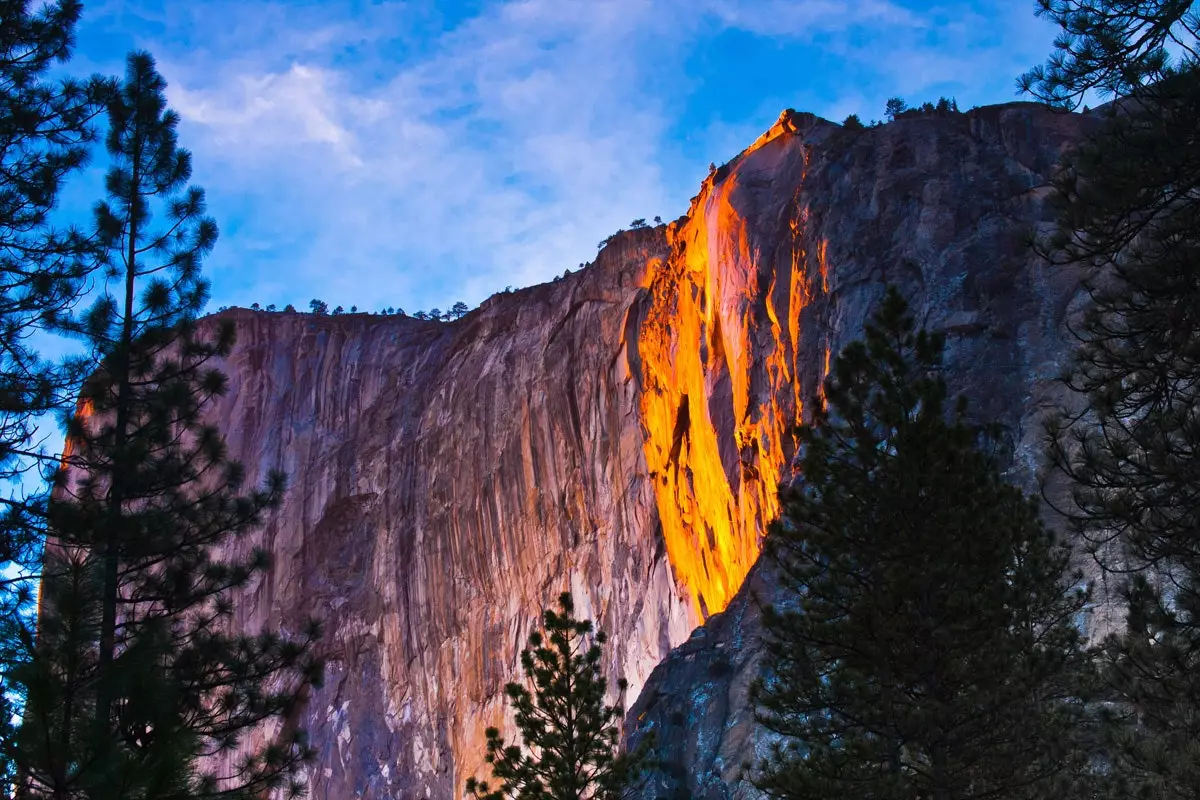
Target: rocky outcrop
[(619, 433), (943, 208)]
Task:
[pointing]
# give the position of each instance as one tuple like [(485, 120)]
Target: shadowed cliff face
[(618, 433)]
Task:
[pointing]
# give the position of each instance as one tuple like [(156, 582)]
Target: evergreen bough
[(46, 129)]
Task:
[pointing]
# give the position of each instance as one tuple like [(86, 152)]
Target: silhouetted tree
[(895, 106), (458, 310), (930, 649), (947, 105), (1129, 442), (569, 735), (1115, 48), (133, 678), (318, 306), (852, 123), (46, 127)]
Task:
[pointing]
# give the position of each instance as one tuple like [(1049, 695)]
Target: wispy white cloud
[(810, 17), (497, 159), (392, 154), (300, 106)]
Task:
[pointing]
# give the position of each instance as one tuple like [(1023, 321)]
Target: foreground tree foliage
[(135, 687), (570, 736), (931, 650), (1113, 48), (45, 129), (1129, 445)]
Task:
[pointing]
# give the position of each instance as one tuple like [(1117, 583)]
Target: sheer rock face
[(618, 433), (942, 208)]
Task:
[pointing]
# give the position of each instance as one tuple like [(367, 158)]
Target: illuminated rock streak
[(721, 398), (83, 411)]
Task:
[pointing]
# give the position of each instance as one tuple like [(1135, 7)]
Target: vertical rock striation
[(619, 433)]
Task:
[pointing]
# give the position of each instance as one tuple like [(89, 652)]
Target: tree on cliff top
[(570, 735), (134, 677), (1129, 445), (931, 649)]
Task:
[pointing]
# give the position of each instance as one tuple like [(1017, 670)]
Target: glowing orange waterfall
[(717, 441)]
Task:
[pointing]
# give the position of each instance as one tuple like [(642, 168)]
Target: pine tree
[(930, 650), (45, 129), (1129, 444), (1115, 48), (570, 736), (137, 688)]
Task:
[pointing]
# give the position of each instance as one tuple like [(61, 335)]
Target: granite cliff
[(943, 208), (620, 433)]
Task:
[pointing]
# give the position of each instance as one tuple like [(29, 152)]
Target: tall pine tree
[(931, 650), (570, 736), (1129, 444), (137, 686), (46, 127)]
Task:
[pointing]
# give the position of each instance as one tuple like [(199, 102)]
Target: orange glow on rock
[(83, 410), (715, 445), (823, 266), (824, 375)]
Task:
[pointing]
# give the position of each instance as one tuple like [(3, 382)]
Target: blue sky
[(416, 153)]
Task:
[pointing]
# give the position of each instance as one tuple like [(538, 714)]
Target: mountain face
[(942, 208), (620, 433)]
